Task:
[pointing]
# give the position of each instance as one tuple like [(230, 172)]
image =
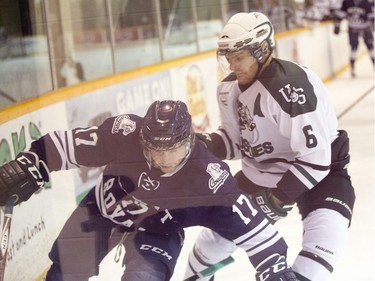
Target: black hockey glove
[(275, 268), (206, 139), (336, 29), (214, 143), (264, 199), (22, 177)]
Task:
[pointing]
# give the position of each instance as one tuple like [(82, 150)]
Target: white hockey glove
[(267, 203), (274, 268), (21, 177)]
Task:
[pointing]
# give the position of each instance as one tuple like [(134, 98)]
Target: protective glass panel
[(24, 62), (209, 24), (135, 34), (80, 40), (179, 36)]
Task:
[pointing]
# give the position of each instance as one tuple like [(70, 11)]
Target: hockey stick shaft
[(211, 269), (5, 232)]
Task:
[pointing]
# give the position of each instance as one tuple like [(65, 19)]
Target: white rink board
[(36, 223)]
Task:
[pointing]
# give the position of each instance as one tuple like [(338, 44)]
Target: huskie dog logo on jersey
[(147, 183), (247, 123), (292, 94), (218, 176), (123, 123)]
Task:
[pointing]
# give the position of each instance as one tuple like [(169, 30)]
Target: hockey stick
[(211, 269), (8, 212)]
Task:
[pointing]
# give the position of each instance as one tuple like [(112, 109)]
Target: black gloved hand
[(267, 203), (336, 29), (21, 177), (206, 139), (275, 268)]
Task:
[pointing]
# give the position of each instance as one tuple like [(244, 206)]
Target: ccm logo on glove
[(33, 170)]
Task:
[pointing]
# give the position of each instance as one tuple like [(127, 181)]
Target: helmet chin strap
[(261, 64)]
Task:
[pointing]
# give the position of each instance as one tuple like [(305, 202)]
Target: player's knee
[(324, 240), (195, 264), (212, 248), (209, 249)]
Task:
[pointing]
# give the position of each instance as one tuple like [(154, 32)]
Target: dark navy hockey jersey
[(136, 195), (359, 13)]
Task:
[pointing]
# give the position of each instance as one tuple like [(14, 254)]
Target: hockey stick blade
[(5, 232), (211, 269)]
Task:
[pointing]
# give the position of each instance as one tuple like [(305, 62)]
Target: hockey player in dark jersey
[(157, 181), (277, 118), (360, 17)]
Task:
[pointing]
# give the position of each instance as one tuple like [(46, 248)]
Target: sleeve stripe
[(59, 146), (266, 244), (61, 141), (263, 232), (260, 227), (315, 167), (70, 149), (299, 171)]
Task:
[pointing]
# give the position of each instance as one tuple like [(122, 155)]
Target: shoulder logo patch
[(292, 94), (123, 123), (218, 176)]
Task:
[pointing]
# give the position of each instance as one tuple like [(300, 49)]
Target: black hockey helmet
[(167, 125)]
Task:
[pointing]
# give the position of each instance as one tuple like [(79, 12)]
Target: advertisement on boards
[(195, 83), (36, 222)]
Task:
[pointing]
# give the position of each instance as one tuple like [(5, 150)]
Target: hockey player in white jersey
[(277, 118), (157, 181), (360, 17)]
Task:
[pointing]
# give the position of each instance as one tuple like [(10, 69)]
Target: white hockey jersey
[(282, 127)]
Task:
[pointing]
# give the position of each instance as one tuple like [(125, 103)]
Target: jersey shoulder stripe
[(289, 85), (230, 78)]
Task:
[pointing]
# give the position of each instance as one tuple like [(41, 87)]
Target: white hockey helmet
[(248, 30)]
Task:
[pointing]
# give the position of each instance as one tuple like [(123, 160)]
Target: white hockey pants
[(324, 240)]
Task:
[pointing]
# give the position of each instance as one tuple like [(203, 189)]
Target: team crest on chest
[(247, 122), (218, 176), (147, 183), (123, 123)]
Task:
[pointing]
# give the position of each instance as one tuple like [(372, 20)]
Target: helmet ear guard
[(261, 51)]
